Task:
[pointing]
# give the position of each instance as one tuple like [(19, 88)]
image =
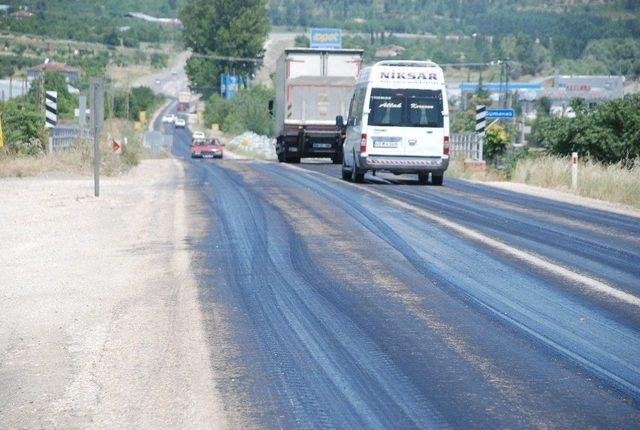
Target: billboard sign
[(325, 38), (230, 85)]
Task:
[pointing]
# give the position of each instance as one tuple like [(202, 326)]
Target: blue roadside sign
[(325, 38), (501, 114)]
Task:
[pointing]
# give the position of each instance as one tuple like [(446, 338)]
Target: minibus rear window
[(405, 108)]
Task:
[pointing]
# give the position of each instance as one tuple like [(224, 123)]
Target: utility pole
[(507, 66)]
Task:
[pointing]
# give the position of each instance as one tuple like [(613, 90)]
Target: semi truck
[(313, 87)]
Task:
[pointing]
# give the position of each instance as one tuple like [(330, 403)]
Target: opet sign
[(325, 38)]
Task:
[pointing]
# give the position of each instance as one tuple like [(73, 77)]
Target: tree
[(67, 102), (609, 133), (246, 111), (230, 28)]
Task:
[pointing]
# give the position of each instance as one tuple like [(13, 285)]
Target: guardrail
[(469, 145), (61, 138)]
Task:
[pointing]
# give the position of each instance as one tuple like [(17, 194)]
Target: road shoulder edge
[(562, 197)]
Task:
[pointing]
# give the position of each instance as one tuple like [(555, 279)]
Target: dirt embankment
[(100, 324)]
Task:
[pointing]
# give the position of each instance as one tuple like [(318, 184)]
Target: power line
[(229, 59)]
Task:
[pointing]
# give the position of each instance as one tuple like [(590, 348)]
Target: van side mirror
[(340, 122), (271, 107)]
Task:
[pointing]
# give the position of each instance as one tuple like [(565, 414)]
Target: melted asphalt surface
[(330, 307)]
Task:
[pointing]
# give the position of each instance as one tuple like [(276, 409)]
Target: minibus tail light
[(363, 142), (446, 145)]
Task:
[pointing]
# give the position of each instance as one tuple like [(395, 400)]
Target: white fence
[(61, 138), (468, 145)]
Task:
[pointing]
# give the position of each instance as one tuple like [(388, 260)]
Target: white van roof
[(404, 74)]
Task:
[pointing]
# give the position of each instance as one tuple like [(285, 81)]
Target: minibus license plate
[(384, 144)]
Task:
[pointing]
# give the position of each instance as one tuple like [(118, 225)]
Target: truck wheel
[(423, 178), (346, 173), (357, 176), (437, 179), (281, 158), (336, 159)]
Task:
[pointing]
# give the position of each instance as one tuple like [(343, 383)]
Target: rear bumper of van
[(398, 164)]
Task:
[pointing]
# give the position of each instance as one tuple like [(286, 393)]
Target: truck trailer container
[(313, 87)]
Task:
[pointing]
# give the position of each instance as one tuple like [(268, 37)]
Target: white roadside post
[(574, 171)]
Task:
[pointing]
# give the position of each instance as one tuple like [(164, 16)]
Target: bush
[(139, 99), (159, 61), (247, 111), (496, 142), (609, 133), (23, 128)]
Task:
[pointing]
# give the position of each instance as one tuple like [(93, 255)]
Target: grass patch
[(613, 182)]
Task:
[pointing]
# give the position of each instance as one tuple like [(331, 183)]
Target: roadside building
[(19, 14), (71, 74), (172, 22), (593, 90), (497, 90), (389, 51)]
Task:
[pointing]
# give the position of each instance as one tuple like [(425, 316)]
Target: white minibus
[(398, 122)]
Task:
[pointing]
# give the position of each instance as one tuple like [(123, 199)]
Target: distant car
[(180, 123), (198, 135), (206, 148), (158, 82), (169, 119), (174, 72)]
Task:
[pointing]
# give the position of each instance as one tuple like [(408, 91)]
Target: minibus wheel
[(437, 179)]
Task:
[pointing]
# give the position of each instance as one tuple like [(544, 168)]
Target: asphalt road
[(393, 305)]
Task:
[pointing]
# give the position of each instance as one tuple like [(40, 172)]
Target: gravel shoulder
[(101, 325)]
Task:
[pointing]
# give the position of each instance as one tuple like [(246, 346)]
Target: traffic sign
[(501, 114)]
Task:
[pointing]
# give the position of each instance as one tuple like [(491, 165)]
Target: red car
[(206, 148)]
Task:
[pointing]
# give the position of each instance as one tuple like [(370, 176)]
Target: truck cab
[(398, 122)]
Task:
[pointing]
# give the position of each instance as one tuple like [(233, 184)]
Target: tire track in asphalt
[(289, 252), (617, 361), (287, 306)]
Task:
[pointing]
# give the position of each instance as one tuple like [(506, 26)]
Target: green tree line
[(98, 22)]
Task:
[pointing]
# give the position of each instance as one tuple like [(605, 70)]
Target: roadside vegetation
[(98, 22), (29, 158), (26, 139), (609, 133), (617, 182), (606, 137), (247, 111)]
